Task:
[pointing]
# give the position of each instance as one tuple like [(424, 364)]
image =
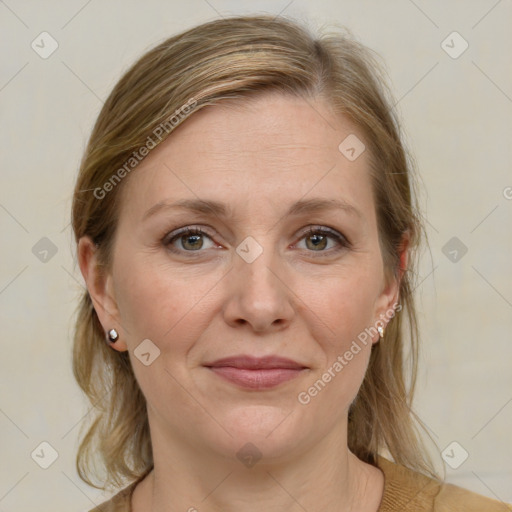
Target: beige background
[(456, 112)]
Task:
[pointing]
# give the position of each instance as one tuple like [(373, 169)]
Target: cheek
[(158, 303), (344, 303), (345, 310), (170, 311)]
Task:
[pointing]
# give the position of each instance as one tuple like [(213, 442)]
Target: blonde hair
[(234, 58)]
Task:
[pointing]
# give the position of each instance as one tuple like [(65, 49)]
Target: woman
[(247, 232)]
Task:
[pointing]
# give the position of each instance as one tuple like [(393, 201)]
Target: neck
[(326, 477)]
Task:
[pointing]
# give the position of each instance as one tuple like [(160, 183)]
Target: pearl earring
[(112, 336)]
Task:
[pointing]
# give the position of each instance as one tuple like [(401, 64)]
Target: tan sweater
[(404, 491)]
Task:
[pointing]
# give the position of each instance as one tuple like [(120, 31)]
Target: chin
[(272, 433)]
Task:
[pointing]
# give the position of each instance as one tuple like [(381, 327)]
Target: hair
[(234, 59)]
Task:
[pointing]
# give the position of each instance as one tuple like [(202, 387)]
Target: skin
[(295, 300)]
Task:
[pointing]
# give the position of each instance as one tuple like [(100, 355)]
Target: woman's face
[(287, 264)]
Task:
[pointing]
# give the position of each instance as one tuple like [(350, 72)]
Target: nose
[(259, 294)]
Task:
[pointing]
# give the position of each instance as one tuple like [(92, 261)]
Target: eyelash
[(343, 242)]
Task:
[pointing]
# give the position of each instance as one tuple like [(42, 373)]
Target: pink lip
[(256, 373)]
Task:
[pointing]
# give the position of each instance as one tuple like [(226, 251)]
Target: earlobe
[(99, 286), (386, 308), (112, 338)]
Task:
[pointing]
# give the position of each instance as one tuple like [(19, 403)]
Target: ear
[(387, 304), (101, 290)]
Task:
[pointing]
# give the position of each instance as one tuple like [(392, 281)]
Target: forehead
[(270, 148)]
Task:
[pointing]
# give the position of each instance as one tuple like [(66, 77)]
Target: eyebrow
[(222, 210)]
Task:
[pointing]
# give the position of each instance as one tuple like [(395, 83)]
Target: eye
[(193, 239), (317, 240), (190, 240)]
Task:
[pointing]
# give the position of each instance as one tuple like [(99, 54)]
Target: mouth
[(256, 373)]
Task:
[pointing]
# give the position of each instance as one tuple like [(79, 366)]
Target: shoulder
[(408, 490), (121, 502)]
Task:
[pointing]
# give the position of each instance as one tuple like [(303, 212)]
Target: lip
[(256, 372), (256, 363)]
